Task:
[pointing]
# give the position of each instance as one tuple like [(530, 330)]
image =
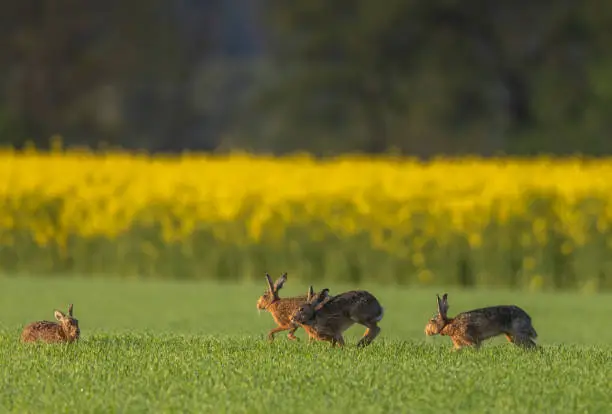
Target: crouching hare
[(473, 327), (66, 329), (326, 317)]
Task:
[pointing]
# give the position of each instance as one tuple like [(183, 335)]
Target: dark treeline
[(416, 77)]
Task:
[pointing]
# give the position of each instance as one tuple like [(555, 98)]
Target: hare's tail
[(380, 315)]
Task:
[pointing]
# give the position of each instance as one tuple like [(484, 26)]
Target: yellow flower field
[(399, 204)]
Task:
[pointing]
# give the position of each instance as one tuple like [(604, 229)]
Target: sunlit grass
[(189, 347), (154, 373)]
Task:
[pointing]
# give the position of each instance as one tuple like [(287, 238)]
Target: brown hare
[(281, 309), (326, 317), (65, 330), (472, 327)]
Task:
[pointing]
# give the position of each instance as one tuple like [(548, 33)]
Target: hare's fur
[(473, 327), (66, 329), (325, 317), (281, 309)]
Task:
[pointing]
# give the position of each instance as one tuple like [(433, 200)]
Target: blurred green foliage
[(411, 76)]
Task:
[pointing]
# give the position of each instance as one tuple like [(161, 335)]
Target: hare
[(281, 309), (65, 330), (326, 317), (472, 327)]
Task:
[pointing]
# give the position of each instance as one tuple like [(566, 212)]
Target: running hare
[(65, 330), (472, 327), (326, 317), (281, 309)]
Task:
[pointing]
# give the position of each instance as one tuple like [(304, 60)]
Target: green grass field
[(200, 347)]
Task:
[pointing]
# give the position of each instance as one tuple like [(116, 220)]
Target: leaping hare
[(472, 327), (326, 317), (281, 309), (65, 330)]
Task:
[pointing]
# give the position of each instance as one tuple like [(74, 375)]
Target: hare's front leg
[(328, 338), (291, 334), (466, 341), (275, 330), (458, 343)]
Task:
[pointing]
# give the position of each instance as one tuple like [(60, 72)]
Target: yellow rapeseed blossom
[(242, 198)]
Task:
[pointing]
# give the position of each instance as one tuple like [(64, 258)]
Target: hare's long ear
[(443, 305), (270, 284), (310, 295), (323, 294), (322, 299), (439, 301), (280, 282), (70, 310), (59, 315)]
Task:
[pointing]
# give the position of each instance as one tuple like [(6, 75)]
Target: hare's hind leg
[(523, 336), (524, 341), (337, 340), (523, 333), (520, 340), (370, 334), (27, 335)]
